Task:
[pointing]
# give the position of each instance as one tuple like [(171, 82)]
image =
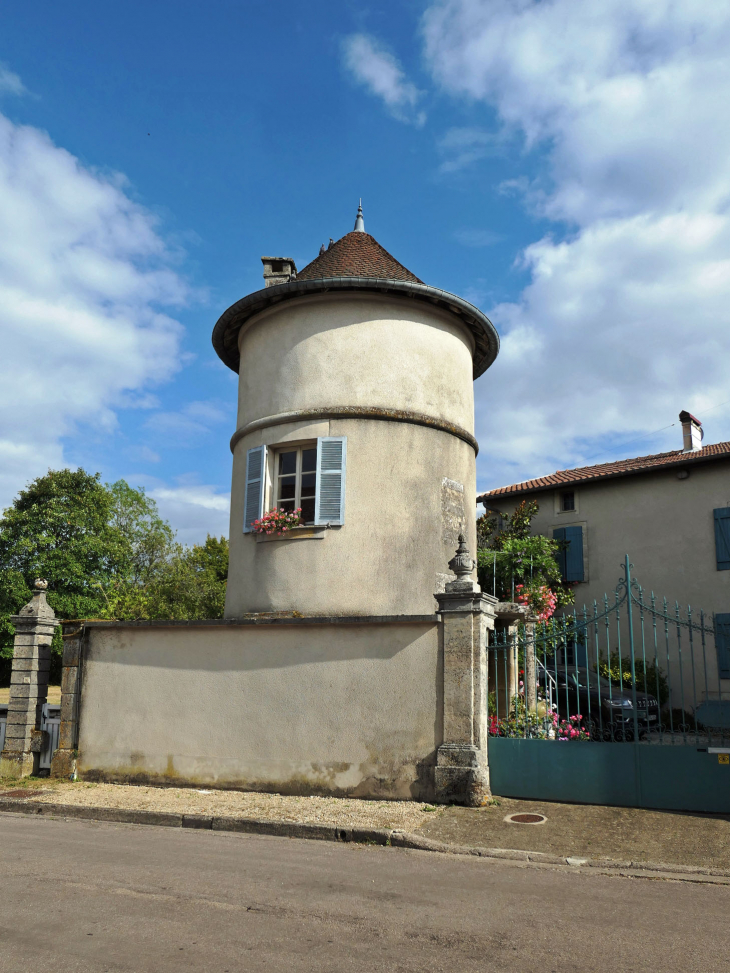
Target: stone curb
[(201, 822), (403, 839), (377, 836)]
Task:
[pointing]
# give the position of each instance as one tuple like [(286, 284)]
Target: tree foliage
[(508, 555), (190, 583), (106, 553)]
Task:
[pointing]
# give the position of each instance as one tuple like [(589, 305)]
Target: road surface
[(84, 896)]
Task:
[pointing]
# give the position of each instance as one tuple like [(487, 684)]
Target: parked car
[(605, 705)]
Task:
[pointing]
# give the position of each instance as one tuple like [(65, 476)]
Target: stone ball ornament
[(40, 584)]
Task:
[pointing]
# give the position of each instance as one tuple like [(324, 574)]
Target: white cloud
[(625, 321), (464, 146), (194, 509), (10, 83), (469, 237), (191, 422), (142, 454), (380, 72), (85, 278)]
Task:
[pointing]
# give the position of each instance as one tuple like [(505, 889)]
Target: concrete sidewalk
[(626, 835), (588, 831)]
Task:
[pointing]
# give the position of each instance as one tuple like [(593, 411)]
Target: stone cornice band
[(225, 333), (356, 412)]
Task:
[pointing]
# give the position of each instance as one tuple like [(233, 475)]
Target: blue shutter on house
[(253, 502), (329, 504), (722, 643), (570, 560), (722, 538), (574, 554)]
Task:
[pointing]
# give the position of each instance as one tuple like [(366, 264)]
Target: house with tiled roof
[(670, 512)]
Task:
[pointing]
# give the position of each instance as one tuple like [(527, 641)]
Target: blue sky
[(560, 165)]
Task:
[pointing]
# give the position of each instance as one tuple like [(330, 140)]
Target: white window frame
[(299, 448)]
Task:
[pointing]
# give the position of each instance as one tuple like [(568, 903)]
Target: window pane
[(309, 460), (286, 504), (288, 462), (309, 481), (287, 487), (308, 511)]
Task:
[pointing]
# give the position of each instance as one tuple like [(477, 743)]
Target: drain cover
[(525, 818)]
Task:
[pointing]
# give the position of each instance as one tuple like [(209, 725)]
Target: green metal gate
[(620, 703)]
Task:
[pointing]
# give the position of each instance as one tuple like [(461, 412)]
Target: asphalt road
[(83, 896)]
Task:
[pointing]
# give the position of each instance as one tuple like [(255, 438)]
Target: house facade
[(670, 512)]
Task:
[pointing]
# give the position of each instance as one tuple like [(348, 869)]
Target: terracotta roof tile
[(356, 254), (605, 471)]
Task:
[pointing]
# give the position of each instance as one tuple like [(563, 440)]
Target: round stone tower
[(355, 404)]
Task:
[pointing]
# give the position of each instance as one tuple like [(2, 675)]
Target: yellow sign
[(723, 758)]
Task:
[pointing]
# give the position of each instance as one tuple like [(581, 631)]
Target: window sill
[(295, 534)]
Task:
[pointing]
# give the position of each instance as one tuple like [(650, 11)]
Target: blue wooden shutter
[(722, 538), (722, 643), (329, 504), (253, 503), (570, 560), (559, 535), (574, 554)]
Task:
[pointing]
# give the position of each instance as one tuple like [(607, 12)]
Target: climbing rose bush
[(539, 598), (278, 521)]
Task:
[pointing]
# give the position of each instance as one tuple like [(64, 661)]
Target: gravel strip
[(334, 811)]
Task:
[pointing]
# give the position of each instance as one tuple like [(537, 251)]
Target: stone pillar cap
[(37, 608)]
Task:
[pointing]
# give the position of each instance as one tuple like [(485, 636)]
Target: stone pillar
[(28, 685), (512, 664), (63, 762), (509, 614), (462, 770), (530, 664)]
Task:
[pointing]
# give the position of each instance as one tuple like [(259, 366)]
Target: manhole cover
[(21, 793), (525, 818)]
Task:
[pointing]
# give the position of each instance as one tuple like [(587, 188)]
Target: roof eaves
[(225, 333), (541, 484)]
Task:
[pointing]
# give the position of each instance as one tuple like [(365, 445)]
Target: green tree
[(59, 528), (189, 584), (509, 555), (105, 552), (148, 539)]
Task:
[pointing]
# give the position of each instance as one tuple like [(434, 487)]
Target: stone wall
[(344, 707)]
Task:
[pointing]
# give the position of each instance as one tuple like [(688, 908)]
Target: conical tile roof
[(356, 254)]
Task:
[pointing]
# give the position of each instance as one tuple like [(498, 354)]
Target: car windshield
[(585, 679)]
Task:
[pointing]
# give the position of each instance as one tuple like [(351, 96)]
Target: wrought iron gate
[(618, 703)]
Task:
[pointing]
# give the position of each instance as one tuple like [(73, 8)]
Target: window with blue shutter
[(570, 557), (722, 643), (253, 502), (330, 500), (722, 538)]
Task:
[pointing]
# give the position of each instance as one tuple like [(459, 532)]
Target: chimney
[(691, 432), (278, 270)]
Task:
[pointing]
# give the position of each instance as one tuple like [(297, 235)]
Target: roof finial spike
[(359, 222)]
